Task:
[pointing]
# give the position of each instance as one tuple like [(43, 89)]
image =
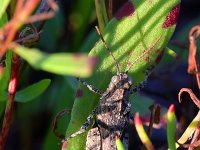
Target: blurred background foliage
[(71, 30)]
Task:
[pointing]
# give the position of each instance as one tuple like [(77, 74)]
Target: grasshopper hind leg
[(83, 127)]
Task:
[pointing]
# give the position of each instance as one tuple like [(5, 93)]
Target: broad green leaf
[(134, 29), (141, 104), (33, 91), (3, 4), (60, 99), (5, 75), (58, 63)]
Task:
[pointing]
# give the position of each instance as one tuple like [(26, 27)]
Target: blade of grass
[(141, 132), (171, 127)]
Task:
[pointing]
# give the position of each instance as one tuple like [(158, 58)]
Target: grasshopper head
[(120, 80)]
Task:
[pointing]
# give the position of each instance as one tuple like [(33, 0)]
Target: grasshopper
[(113, 110)]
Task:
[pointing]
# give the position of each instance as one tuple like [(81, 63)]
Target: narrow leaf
[(5, 75), (189, 131), (141, 132), (59, 63), (171, 53), (171, 127), (119, 144), (32, 91)]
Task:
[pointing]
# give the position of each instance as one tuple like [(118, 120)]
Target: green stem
[(104, 12), (100, 16)]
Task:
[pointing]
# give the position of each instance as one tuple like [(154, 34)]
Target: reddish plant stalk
[(10, 102), (193, 65), (22, 14)]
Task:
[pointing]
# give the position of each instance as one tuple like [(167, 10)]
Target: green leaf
[(58, 63), (3, 4), (5, 76), (142, 133), (33, 91), (128, 35), (89, 41), (141, 104), (171, 52), (3, 20), (171, 127)]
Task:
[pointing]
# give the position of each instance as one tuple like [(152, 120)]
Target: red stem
[(10, 102)]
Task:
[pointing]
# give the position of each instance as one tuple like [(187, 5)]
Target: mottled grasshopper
[(113, 110)]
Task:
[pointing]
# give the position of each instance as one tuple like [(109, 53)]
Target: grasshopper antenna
[(142, 55), (108, 49)]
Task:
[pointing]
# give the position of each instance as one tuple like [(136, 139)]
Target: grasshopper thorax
[(120, 80)]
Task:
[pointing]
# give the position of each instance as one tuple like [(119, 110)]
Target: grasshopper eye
[(115, 79)]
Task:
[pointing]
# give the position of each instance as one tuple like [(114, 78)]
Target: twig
[(193, 66), (192, 96), (155, 117), (55, 123)]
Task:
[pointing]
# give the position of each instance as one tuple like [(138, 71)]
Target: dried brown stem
[(21, 16), (155, 117), (193, 66), (192, 96), (45, 7), (195, 139)]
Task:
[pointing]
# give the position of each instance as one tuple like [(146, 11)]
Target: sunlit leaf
[(59, 63), (3, 4), (128, 35)]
